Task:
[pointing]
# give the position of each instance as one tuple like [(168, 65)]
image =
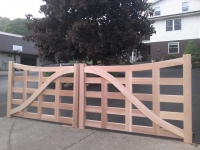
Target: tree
[(3, 22), (17, 26), (193, 49), (89, 29)]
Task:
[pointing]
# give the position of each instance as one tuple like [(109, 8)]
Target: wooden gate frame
[(160, 126)]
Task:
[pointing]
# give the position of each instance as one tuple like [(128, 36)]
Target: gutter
[(176, 15)]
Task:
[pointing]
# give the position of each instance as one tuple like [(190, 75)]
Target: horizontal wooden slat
[(17, 90), (115, 95), (95, 109), (142, 129), (171, 81), (66, 92), (18, 78), (65, 120), (116, 111), (65, 106), (45, 92), (116, 126), (143, 97), (42, 69), (17, 101), (93, 123), (47, 117), (48, 105), (172, 98), (166, 133), (142, 81), (137, 113), (140, 67), (32, 79), (31, 115), (34, 103), (18, 114), (172, 115), (140, 96), (66, 79), (93, 80), (92, 94)]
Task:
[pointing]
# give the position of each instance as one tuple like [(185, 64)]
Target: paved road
[(175, 90)]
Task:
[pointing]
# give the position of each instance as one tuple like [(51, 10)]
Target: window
[(173, 25), (157, 11), (173, 47), (169, 25), (177, 24), (185, 6)]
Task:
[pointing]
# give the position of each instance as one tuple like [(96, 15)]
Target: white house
[(176, 22), (14, 48)]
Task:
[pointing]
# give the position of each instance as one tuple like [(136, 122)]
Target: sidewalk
[(25, 134)]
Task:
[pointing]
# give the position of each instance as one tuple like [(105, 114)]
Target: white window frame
[(185, 7), (173, 43), (158, 7), (173, 24)]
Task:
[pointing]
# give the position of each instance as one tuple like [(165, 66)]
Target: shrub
[(193, 49), (48, 74), (170, 56)]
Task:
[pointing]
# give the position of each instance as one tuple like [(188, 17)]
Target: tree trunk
[(94, 62)]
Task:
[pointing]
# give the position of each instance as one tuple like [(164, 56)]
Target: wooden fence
[(160, 126)]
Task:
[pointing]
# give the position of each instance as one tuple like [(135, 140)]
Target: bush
[(48, 74), (170, 56), (114, 74), (197, 63), (193, 49)]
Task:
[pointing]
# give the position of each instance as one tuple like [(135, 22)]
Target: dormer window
[(185, 6), (157, 11)]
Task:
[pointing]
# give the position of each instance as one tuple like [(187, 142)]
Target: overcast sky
[(18, 8)]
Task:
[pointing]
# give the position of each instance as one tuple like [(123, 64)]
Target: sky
[(18, 8)]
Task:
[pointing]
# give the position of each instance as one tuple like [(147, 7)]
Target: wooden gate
[(160, 126), (19, 107)]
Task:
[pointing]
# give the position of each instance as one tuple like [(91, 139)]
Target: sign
[(17, 48)]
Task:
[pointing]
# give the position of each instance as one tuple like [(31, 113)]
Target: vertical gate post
[(40, 97), (156, 97), (76, 95), (104, 103), (128, 104), (82, 89), (10, 87), (187, 88), (25, 74)]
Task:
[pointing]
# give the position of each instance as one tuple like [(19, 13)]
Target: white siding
[(169, 7), (190, 29)]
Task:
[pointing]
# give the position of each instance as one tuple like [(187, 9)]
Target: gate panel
[(160, 126), (36, 99)]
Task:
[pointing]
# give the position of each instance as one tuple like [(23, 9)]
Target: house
[(176, 23), (14, 48)]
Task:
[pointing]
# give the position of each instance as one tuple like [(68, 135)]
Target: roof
[(10, 34), (7, 40)]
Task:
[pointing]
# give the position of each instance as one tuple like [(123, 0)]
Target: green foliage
[(193, 49), (3, 22), (96, 30), (48, 74), (170, 56), (197, 63), (17, 26), (114, 74), (69, 75)]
